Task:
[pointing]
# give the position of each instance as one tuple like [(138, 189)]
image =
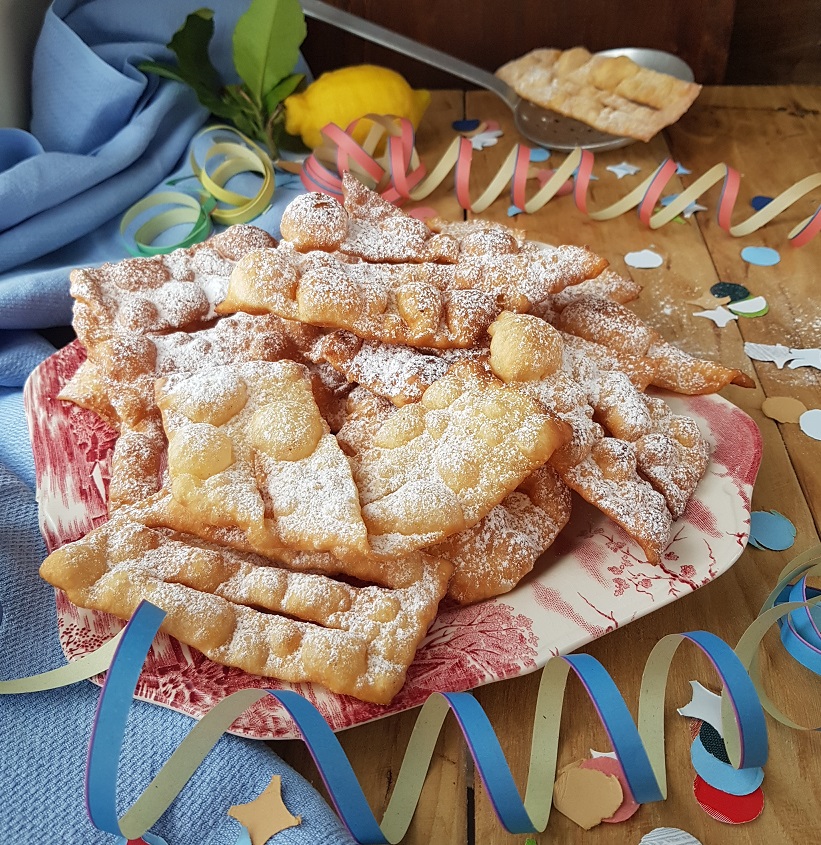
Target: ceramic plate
[(590, 582)]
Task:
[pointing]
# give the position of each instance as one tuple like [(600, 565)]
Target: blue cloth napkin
[(103, 135)]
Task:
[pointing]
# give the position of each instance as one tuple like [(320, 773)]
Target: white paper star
[(720, 316), (704, 705), (777, 353), (689, 210), (488, 138), (623, 169), (805, 358)]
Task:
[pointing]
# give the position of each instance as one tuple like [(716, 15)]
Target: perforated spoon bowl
[(539, 125)]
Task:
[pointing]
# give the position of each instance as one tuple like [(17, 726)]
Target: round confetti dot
[(762, 256), (712, 742), (644, 259), (734, 291), (783, 409), (771, 530), (760, 201), (609, 766), (755, 306), (810, 423), (723, 776), (539, 154), (466, 125), (666, 835), (730, 809)]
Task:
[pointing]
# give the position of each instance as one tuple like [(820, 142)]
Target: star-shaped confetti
[(805, 358), (488, 138), (720, 316), (266, 815), (623, 169), (777, 353), (689, 210)]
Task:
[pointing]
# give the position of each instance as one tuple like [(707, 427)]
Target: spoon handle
[(408, 47)]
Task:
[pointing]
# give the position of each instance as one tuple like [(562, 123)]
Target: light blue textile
[(103, 136)]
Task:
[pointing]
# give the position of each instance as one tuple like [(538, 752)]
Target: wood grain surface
[(771, 136)]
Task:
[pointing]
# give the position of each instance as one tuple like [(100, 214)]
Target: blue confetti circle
[(759, 202), (762, 256), (466, 125), (771, 530)]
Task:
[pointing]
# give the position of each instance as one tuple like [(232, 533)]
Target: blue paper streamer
[(335, 769)]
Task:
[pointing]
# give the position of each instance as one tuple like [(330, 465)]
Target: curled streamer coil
[(639, 745), (399, 174)]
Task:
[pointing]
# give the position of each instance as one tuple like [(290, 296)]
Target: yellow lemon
[(341, 96)]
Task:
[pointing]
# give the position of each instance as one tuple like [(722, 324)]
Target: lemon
[(341, 96)]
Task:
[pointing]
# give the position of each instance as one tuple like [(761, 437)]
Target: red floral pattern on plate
[(591, 581)]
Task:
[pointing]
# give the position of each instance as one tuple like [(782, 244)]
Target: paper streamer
[(641, 749), (639, 746), (399, 175), (227, 153)]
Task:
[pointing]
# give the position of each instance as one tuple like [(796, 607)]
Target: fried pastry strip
[(241, 610)]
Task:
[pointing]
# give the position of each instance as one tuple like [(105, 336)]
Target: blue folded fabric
[(103, 135)]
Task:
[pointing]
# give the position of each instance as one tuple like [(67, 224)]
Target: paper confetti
[(755, 306), (723, 776), (644, 259), (712, 741), (513, 210), (762, 256), (810, 423), (720, 316), (704, 705), (586, 796), (609, 766), (668, 836), (488, 138), (805, 358), (707, 300), (689, 210), (469, 125), (266, 814), (729, 289), (681, 170), (760, 202), (777, 353), (783, 409), (623, 169), (730, 809), (539, 154), (771, 530)]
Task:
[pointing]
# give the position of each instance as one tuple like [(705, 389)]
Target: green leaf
[(190, 45), (266, 44), (160, 69), (282, 90)]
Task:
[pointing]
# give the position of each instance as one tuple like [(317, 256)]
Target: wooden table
[(771, 135)]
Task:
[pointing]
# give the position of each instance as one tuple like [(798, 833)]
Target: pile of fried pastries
[(610, 93), (320, 439)]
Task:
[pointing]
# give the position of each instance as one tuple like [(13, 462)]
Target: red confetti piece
[(730, 809)]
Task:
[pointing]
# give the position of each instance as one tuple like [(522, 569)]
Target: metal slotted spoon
[(539, 125)]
